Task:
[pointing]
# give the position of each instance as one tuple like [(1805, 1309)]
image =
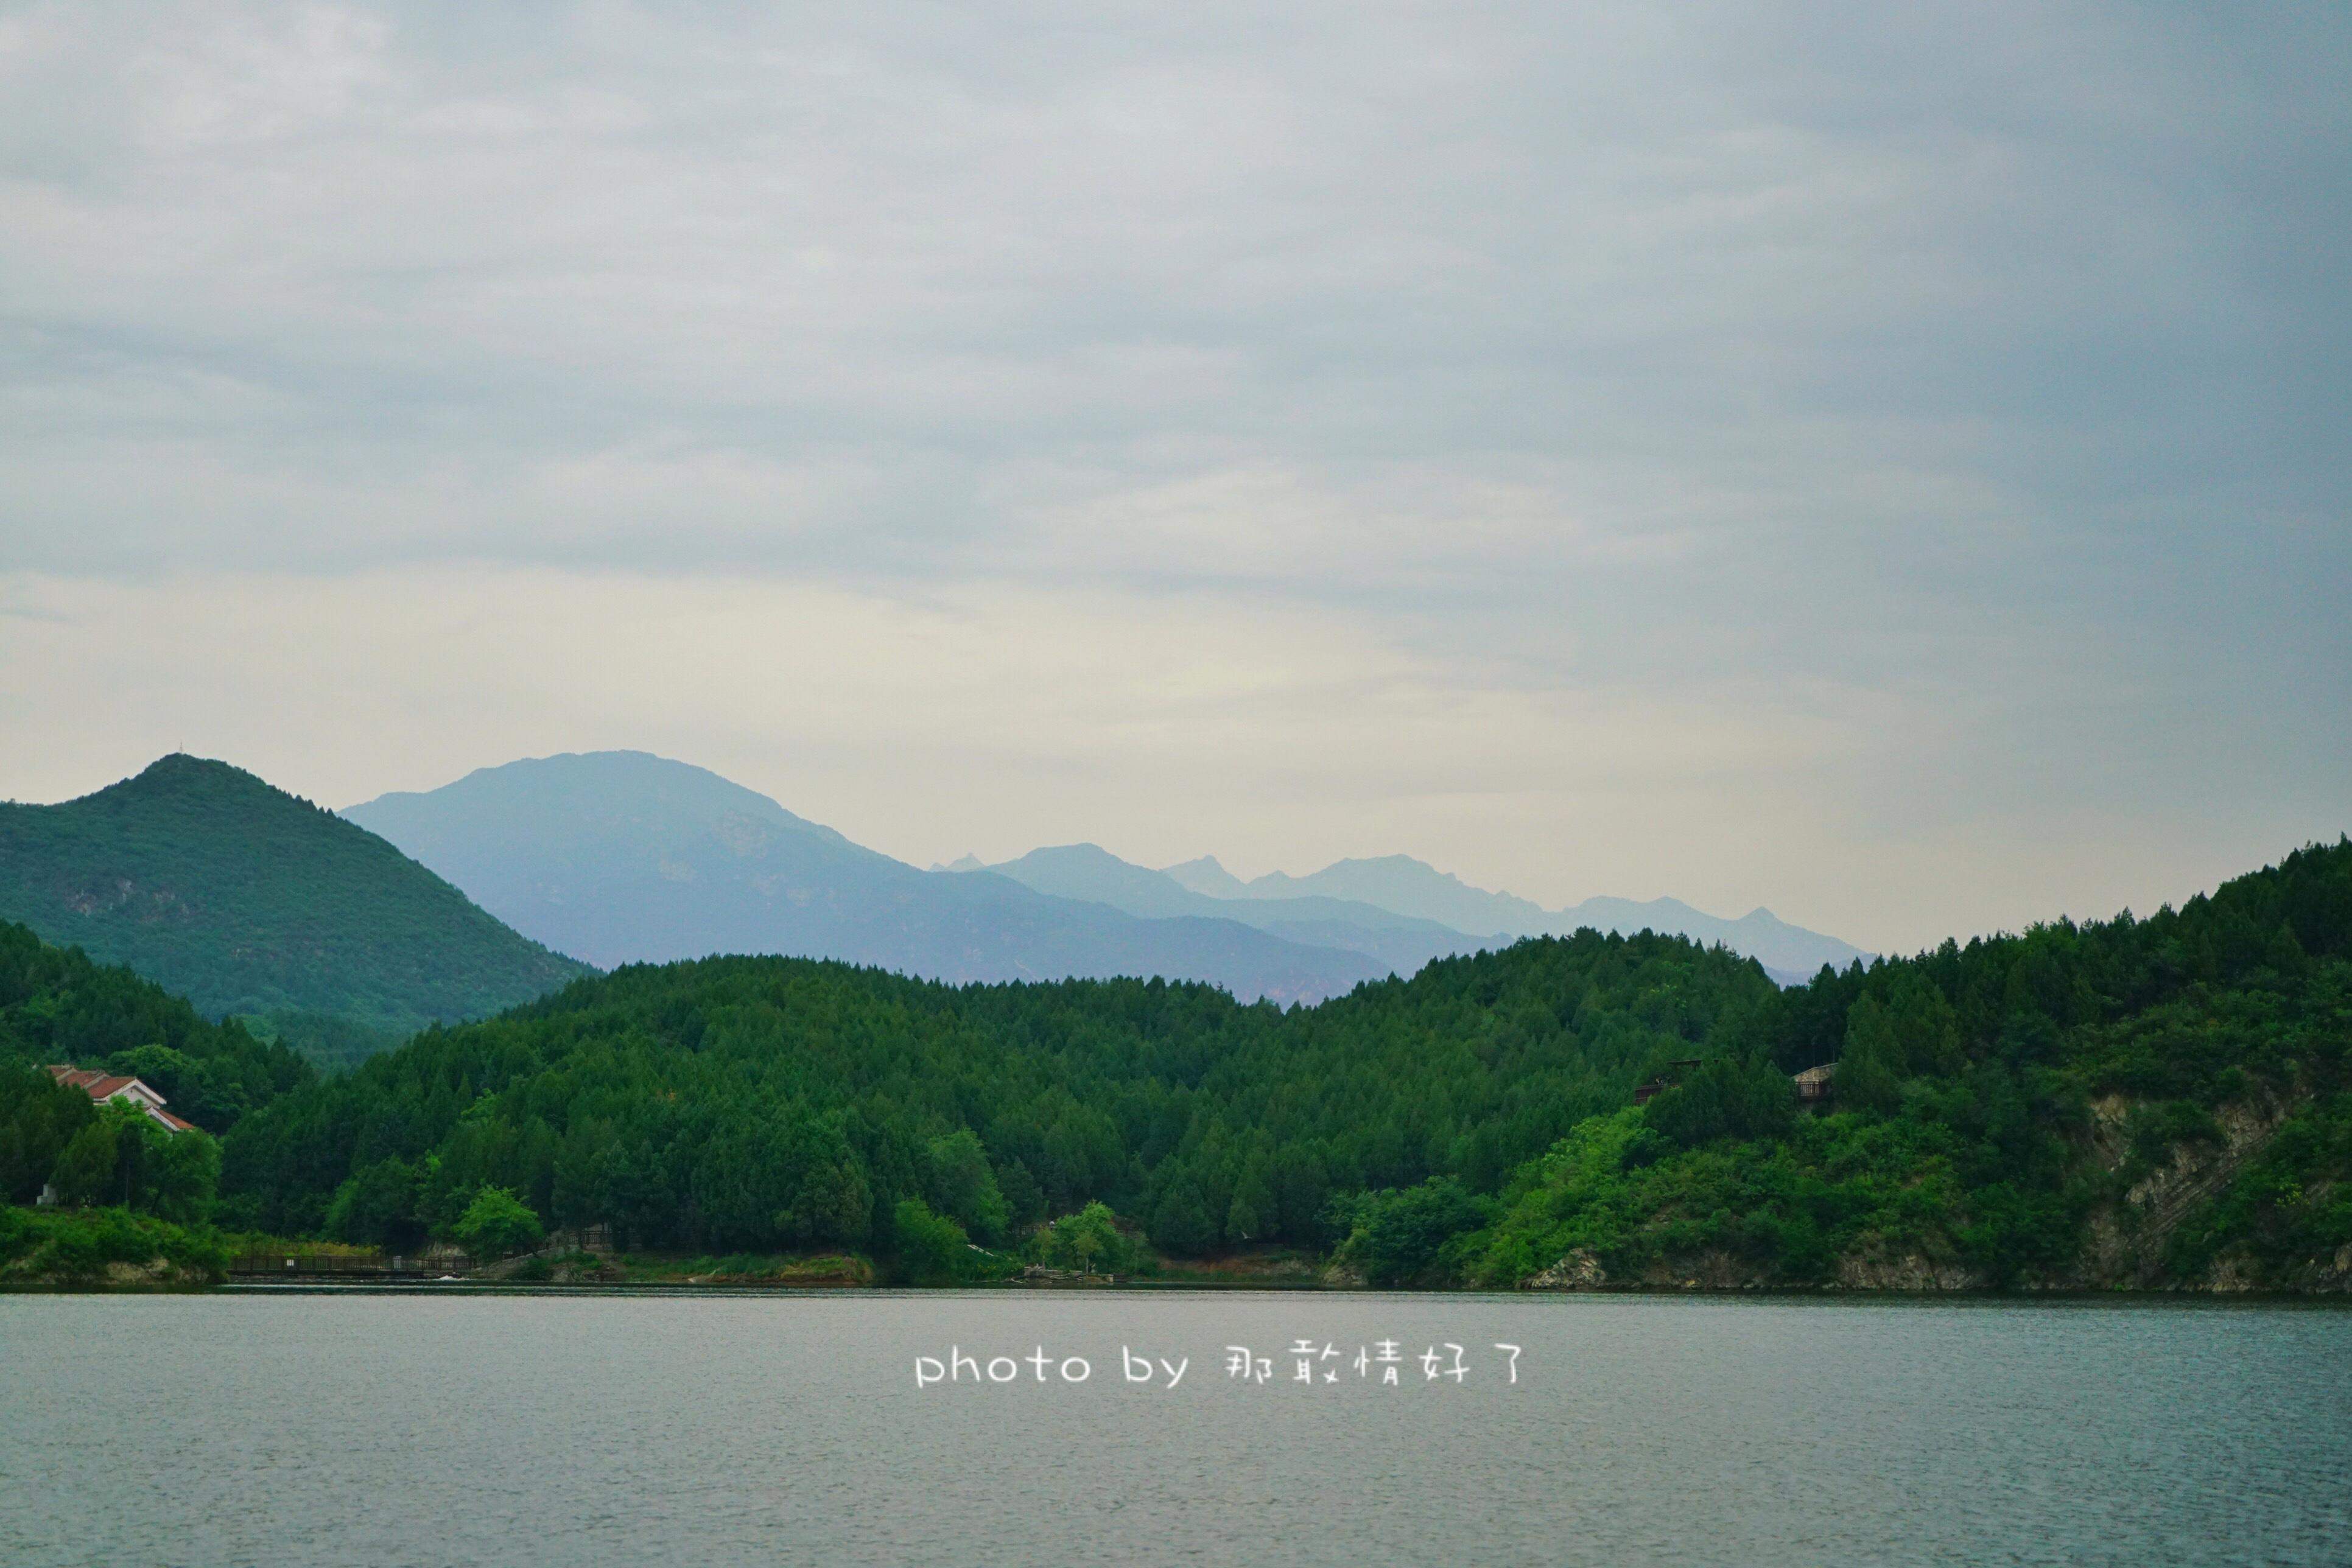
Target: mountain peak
[(1087, 852), (249, 900), (178, 773), (177, 783), (1398, 865), (1204, 875), (596, 783)]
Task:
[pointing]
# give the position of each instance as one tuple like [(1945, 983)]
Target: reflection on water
[(522, 1429)]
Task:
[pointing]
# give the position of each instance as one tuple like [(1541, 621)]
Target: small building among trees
[(104, 1139), (103, 1086), (1814, 1084)]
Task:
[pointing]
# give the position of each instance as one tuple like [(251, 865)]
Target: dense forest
[(2131, 1102), (764, 1103), (250, 902)]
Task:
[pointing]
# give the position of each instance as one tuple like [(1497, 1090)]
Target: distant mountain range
[(1407, 886), (253, 903), (1399, 943), (620, 857), (1402, 911)]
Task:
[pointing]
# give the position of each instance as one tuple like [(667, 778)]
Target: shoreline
[(2330, 1300)]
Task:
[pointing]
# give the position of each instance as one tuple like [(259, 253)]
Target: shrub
[(497, 1224), (1089, 1241), (933, 1249)]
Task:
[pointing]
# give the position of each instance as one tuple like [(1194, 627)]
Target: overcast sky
[(1887, 464)]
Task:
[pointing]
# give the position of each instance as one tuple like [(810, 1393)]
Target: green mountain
[(2139, 1104), (250, 901)]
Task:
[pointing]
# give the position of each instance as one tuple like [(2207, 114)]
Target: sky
[(1886, 464)]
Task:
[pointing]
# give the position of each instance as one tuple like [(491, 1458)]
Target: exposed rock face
[(2334, 1276), (2124, 1242), (156, 1273), (1343, 1276), (1909, 1272), (2325, 1276), (1580, 1271)]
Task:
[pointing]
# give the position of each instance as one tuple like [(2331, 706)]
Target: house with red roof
[(102, 1086)]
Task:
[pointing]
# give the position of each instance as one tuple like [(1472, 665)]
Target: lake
[(379, 1428)]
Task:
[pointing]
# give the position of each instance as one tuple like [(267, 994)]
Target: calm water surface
[(517, 1429)]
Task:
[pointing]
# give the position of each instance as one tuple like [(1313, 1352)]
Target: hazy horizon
[(1883, 467)]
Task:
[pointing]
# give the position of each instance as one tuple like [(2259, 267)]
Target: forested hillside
[(2125, 1104), (2133, 1101), (248, 900), (744, 1102)]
